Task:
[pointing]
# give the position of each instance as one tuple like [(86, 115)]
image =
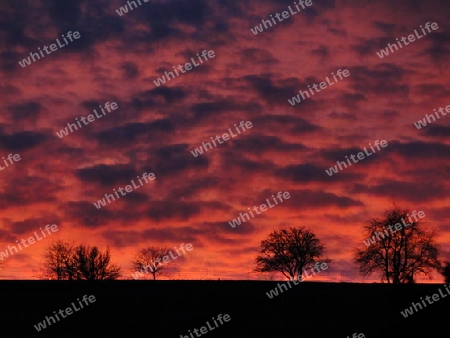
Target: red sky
[(117, 58)]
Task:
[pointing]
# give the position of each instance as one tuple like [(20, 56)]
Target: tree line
[(397, 256)]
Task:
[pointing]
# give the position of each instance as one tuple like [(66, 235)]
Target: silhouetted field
[(171, 308)]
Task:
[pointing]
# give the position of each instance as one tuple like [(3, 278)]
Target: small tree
[(446, 272), (149, 260), (289, 252), (397, 255)]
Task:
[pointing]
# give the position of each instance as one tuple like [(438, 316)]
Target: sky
[(118, 58)]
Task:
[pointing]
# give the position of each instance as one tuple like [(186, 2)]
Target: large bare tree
[(150, 260), (289, 251), (64, 261), (397, 247)]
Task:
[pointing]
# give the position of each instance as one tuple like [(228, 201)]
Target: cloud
[(107, 175), (21, 141), (404, 191), (25, 111)]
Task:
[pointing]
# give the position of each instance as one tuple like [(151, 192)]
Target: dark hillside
[(171, 308)]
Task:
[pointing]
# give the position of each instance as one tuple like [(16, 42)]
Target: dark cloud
[(271, 92), (213, 228), (426, 190), (65, 15), (130, 133), (206, 110), (440, 48), (122, 135), (261, 143), (84, 214), (21, 141), (257, 56), (336, 154), (169, 94), (130, 70), (284, 123), (176, 158), (342, 116), (312, 173), (32, 224), (25, 111), (193, 187), (369, 47), (419, 149), (307, 198), (436, 131), (25, 191), (6, 237), (352, 100), (321, 51), (157, 97), (387, 28), (151, 237), (172, 210), (383, 79), (107, 175), (432, 89)]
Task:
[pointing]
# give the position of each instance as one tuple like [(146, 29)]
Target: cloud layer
[(154, 129)]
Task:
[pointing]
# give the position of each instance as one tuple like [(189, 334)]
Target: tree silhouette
[(92, 264), (64, 261), (289, 251), (399, 253), (58, 261), (149, 260), (446, 272)]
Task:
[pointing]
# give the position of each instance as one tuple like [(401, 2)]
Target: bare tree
[(64, 261), (92, 264), (398, 255), (289, 251), (58, 263), (150, 260)]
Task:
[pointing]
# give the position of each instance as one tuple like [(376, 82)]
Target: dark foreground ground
[(171, 308)]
